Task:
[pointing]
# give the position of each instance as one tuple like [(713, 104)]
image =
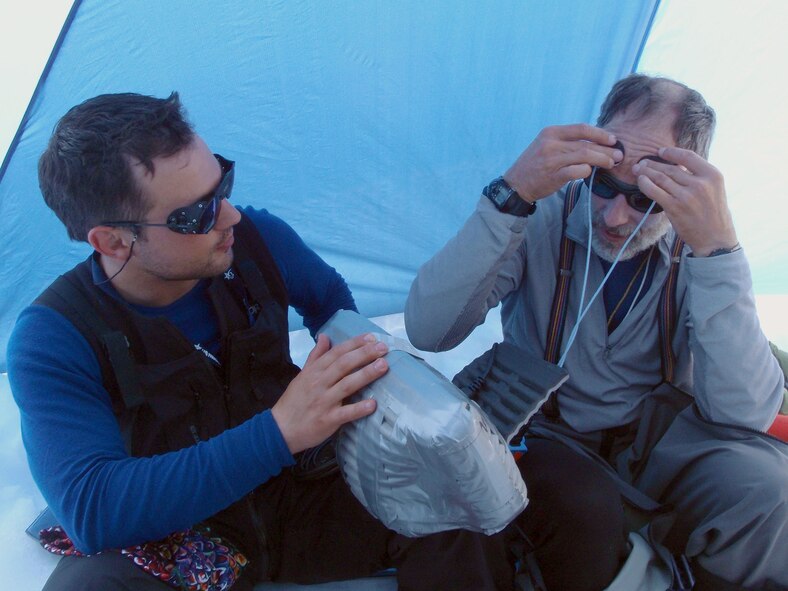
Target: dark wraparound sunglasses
[(200, 217), (606, 186)]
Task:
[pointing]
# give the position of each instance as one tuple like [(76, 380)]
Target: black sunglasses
[(606, 186), (200, 217)]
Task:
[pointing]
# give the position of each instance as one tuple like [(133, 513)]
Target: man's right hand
[(311, 408), (560, 154)]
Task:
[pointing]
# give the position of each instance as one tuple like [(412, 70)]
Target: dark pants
[(574, 520), (317, 532)]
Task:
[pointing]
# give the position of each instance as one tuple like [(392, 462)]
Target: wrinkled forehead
[(640, 138)]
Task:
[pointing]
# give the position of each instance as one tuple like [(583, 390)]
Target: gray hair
[(640, 96)]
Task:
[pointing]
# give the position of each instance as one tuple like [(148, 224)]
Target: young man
[(155, 383), (728, 486)]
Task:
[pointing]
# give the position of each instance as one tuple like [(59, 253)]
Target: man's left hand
[(693, 197)]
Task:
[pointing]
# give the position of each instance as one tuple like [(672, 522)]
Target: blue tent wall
[(369, 126)]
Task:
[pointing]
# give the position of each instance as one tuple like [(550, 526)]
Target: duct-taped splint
[(428, 459)]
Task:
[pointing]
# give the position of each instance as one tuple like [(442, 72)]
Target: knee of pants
[(100, 572), (732, 510), (569, 492), (766, 501), (574, 522), (749, 502)]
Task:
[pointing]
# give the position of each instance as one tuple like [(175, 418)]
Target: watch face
[(499, 193), (507, 200)]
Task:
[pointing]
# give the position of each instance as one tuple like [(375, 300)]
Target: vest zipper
[(262, 538), (228, 407), (198, 416)]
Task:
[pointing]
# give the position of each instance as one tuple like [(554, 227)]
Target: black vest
[(166, 394)]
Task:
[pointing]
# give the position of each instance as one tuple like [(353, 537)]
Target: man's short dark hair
[(640, 96), (85, 172)]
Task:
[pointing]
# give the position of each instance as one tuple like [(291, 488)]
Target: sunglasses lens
[(606, 187), (640, 202), (211, 211), (200, 218), (208, 217), (603, 189)]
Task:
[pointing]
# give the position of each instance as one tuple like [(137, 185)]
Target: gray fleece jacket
[(723, 358)]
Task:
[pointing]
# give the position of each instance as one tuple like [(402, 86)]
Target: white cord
[(588, 245), (585, 310)]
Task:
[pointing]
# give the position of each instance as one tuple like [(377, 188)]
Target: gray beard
[(649, 234)]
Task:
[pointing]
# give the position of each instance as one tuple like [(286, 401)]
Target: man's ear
[(112, 242)]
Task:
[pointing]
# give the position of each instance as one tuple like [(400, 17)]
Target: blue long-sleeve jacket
[(101, 496)]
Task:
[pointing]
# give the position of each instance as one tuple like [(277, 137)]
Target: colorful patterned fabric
[(189, 560)]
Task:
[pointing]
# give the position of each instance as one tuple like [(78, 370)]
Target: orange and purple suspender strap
[(555, 330), (667, 312)]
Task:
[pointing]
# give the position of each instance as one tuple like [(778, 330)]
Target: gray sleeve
[(454, 290), (736, 378)]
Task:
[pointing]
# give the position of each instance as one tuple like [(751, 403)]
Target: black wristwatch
[(718, 251), (506, 199)]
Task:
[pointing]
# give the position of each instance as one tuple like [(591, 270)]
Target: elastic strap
[(668, 312), (114, 342), (555, 331)]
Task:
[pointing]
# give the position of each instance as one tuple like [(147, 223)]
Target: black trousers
[(318, 532), (574, 521)]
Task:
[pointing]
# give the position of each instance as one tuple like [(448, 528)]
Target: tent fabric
[(369, 126)]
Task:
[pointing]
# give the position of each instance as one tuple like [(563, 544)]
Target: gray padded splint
[(510, 385), (428, 459)]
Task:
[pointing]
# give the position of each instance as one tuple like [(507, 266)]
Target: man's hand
[(558, 155), (693, 197), (311, 407)]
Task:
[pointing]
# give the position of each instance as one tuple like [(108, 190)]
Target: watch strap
[(720, 251), (506, 199)]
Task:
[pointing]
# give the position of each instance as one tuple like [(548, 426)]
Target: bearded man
[(670, 374)]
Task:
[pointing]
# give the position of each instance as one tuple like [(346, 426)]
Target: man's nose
[(228, 215), (619, 213)]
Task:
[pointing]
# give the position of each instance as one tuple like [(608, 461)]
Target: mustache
[(598, 222), (622, 231)]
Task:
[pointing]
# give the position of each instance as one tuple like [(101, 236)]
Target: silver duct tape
[(428, 459)]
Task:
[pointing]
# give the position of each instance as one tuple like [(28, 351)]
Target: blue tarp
[(369, 126)]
